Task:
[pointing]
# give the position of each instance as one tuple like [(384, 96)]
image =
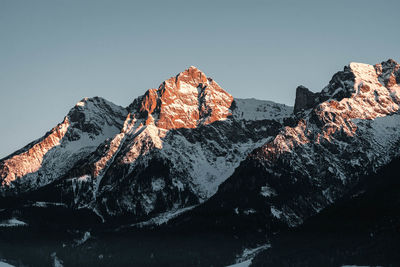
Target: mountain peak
[(192, 76), (185, 101), (86, 100), (193, 67), (345, 83), (88, 114), (89, 123)]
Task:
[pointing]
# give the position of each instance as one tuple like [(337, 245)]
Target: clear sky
[(53, 53)]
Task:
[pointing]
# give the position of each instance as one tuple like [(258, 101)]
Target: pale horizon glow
[(53, 53)]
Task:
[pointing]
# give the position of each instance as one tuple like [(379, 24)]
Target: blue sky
[(54, 53)]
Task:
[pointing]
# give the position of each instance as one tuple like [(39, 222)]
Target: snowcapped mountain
[(170, 149), (190, 142), (190, 159), (341, 135)]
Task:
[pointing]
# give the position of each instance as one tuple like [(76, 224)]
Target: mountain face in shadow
[(361, 229)]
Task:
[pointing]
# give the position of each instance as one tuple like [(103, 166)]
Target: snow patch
[(254, 109), (84, 238), (56, 261), (13, 222), (267, 191), (249, 211), (43, 204), (276, 213), (5, 264), (163, 217), (241, 264), (248, 255)]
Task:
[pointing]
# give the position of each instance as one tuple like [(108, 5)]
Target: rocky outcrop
[(388, 73), (305, 99)]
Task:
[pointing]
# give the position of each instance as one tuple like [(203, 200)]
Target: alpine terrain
[(188, 160)]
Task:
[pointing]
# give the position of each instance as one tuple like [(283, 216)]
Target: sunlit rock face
[(170, 149), (31, 160), (185, 101), (368, 93), (350, 130)]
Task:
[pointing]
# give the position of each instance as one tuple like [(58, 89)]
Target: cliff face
[(305, 99)]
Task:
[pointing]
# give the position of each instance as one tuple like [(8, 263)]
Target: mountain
[(169, 149), (187, 161), (88, 124), (343, 134)]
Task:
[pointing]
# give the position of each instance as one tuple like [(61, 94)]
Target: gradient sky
[(53, 53)]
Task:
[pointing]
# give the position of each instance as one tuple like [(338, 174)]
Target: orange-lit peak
[(185, 101)]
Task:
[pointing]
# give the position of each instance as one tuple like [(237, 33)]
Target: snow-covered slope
[(87, 125), (253, 109)]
